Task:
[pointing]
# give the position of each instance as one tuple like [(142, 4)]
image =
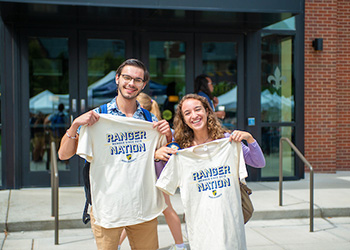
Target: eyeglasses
[(137, 81)]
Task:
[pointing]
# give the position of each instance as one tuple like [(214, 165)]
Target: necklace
[(202, 142)]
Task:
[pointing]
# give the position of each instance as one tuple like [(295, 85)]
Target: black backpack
[(86, 168)]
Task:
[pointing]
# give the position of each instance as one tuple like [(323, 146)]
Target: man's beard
[(127, 97)]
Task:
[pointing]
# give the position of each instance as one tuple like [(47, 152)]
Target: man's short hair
[(135, 63)]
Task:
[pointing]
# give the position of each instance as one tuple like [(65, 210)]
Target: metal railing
[(54, 188), (311, 178)]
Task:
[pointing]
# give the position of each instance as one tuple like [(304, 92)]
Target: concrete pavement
[(26, 216), (291, 234)]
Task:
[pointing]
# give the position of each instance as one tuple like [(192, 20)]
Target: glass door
[(100, 55), (221, 58), (65, 79), (277, 103), (47, 74), (174, 60), (170, 61)]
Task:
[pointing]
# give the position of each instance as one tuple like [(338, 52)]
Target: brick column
[(321, 85)]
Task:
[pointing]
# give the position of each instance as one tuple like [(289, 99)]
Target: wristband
[(71, 137)]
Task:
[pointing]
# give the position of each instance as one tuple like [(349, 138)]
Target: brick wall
[(327, 87), (343, 85)]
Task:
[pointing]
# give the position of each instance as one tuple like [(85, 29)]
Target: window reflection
[(49, 99), (277, 93), (167, 70), (270, 147), (287, 24), (220, 63), (104, 57), (277, 102)]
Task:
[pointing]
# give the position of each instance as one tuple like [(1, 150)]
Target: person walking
[(120, 147)]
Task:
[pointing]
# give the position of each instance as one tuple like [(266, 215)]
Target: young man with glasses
[(123, 189)]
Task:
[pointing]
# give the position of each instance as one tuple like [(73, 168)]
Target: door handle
[(82, 105), (74, 105)]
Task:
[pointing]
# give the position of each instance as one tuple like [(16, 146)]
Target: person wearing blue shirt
[(131, 78)]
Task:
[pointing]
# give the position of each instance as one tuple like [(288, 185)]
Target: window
[(277, 102), (49, 99), (167, 68), (104, 57)]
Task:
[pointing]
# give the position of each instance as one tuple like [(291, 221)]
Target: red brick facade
[(327, 85)]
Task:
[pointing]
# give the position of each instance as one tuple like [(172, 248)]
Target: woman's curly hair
[(184, 135)]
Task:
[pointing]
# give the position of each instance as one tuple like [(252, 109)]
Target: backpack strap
[(86, 172), (147, 115), (103, 108)]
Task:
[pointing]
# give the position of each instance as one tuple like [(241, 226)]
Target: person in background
[(170, 214), (203, 86), (106, 179), (195, 124), (59, 122), (148, 103)]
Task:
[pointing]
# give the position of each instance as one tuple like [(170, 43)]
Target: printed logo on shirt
[(127, 143), (215, 194), (213, 180), (128, 158)]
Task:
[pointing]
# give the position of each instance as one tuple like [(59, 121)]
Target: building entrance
[(65, 74), (174, 64)]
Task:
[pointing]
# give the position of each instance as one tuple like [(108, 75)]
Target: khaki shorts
[(140, 236)]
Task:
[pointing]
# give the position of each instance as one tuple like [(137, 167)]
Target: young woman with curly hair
[(207, 170), (203, 126), (189, 134)]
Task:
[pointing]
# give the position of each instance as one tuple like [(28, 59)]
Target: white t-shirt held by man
[(122, 174)]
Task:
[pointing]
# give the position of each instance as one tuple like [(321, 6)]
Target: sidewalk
[(291, 234), (27, 215)]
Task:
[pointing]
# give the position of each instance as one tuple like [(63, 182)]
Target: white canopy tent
[(269, 100), (229, 100), (46, 102), (99, 92)]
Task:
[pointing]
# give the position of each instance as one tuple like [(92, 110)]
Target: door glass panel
[(277, 94), (167, 71), (287, 24), (270, 147), (49, 99), (219, 60), (277, 102), (104, 57)]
